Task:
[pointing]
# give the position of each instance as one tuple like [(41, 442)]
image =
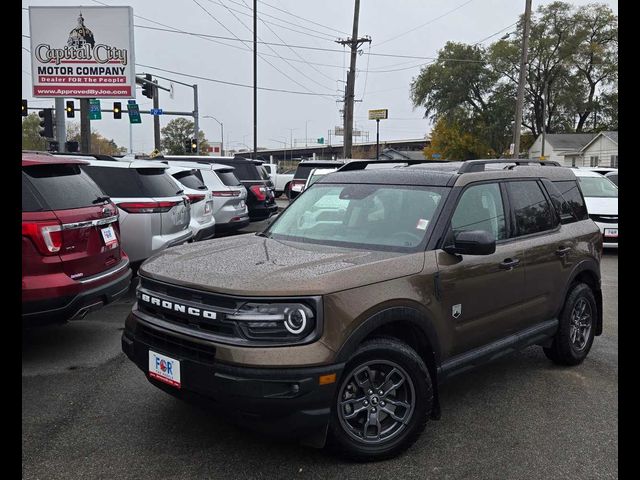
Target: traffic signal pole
[(156, 119), (61, 133), (85, 126)]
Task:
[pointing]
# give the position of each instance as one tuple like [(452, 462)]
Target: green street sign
[(94, 109), (321, 140), (134, 112)]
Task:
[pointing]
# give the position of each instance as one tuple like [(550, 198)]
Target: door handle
[(509, 263), (562, 251)]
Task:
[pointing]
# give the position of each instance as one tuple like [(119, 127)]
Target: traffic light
[(194, 145), (147, 87), (117, 110), (70, 109), (187, 145), (46, 124), (24, 108)]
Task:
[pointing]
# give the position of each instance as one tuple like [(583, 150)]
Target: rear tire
[(573, 340), (382, 403)]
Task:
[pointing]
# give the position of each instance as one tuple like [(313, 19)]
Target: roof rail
[(97, 156), (362, 164), (469, 166)]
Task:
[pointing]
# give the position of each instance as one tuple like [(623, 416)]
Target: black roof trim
[(362, 164)]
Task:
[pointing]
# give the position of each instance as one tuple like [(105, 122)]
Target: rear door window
[(531, 208), (133, 182), (571, 192), (561, 206), (61, 187)]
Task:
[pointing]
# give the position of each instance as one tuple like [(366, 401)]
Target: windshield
[(597, 187), (383, 217)]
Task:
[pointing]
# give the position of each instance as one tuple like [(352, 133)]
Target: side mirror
[(472, 242)]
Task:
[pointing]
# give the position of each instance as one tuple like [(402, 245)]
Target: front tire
[(382, 403), (575, 334)]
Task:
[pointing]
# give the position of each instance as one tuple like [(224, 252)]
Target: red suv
[(72, 261)]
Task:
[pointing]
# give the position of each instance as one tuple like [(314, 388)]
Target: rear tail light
[(226, 193), (195, 198), (148, 207), (297, 185), (46, 236), (259, 191)]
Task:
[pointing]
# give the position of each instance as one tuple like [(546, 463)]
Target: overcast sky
[(402, 27)]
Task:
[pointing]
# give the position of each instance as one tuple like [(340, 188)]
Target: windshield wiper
[(101, 199)]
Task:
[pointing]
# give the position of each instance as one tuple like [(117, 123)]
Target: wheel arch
[(408, 325), (587, 272)]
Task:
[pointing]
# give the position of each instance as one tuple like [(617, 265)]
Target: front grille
[(604, 218), (175, 346)]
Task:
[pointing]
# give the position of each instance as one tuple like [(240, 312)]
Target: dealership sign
[(82, 52)]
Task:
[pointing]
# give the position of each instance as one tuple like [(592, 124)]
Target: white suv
[(601, 197)]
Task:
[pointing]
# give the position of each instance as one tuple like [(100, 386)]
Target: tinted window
[(613, 178), (561, 206), (531, 209), (263, 173), (190, 180), (133, 182), (30, 202), (571, 192), (228, 178), (62, 186), (244, 170), (480, 208)]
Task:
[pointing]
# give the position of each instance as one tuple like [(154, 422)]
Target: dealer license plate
[(109, 236), (164, 369), (611, 232)]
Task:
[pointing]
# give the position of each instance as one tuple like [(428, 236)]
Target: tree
[(31, 139), (99, 144), (453, 142), (571, 80), (176, 133)]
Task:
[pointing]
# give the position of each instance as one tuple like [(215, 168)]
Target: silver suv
[(154, 212), (229, 195)]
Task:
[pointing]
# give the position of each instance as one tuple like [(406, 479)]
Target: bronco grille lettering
[(177, 307)]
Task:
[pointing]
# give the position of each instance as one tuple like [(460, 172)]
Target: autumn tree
[(451, 141), (176, 133), (99, 144)]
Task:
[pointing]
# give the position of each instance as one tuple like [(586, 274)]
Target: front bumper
[(608, 241), (288, 402)]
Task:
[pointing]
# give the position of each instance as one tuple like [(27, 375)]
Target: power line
[(305, 19), (426, 23), (214, 80), (267, 61), (326, 35), (296, 53), (494, 34)]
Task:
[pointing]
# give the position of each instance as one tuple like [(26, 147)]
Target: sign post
[(377, 115)]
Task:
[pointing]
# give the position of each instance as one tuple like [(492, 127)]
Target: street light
[(221, 132), (284, 149)]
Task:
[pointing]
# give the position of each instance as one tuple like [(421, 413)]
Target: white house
[(557, 145), (601, 151)]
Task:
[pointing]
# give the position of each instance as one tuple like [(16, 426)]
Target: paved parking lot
[(88, 412)]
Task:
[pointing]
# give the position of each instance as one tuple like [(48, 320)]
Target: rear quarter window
[(228, 178), (531, 208), (190, 180), (58, 186), (571, 192), (245, 170)]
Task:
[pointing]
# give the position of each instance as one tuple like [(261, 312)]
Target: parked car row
[(81, 213)]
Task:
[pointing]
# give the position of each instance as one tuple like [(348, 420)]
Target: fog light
[(295, 321)]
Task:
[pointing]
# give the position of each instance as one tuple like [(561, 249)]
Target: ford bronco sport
[(388, 281)]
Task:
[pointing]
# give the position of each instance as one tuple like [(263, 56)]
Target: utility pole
[(354, 43), (521, 79), (545, 99), (196, 126), (85, 126), (255, 78)]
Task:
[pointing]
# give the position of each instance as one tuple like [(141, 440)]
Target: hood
[(257, 266), (602, 205)]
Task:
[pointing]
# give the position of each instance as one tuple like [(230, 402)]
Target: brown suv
[(383, 283)]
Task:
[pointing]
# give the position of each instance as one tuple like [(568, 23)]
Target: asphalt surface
[(88, 412)]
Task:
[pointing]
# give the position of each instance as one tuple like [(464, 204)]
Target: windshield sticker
[(422, 224)]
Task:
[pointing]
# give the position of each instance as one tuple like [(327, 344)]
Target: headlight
[(274, 321)]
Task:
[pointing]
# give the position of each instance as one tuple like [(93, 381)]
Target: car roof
[(199, 165), (610, 174), (446, 173), (580, 172), (30, 158), (321, 163)]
